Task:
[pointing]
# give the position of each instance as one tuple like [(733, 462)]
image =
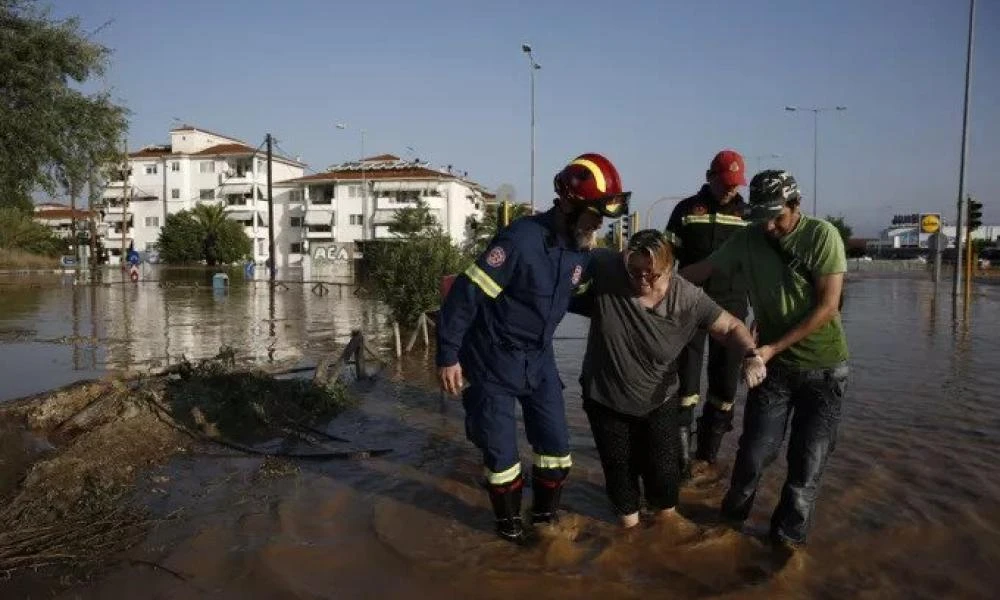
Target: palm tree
[(211, 218)]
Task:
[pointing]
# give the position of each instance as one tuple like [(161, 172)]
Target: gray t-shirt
[(629, 364)]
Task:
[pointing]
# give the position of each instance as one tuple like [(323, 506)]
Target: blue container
[(220, 281)]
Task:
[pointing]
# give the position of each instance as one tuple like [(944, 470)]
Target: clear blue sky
[(657, 86)]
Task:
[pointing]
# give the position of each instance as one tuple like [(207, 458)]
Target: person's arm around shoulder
[(585, 295), (830, 263), (726, 260)]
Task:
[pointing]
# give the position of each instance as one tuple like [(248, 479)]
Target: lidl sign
[(930, 223)]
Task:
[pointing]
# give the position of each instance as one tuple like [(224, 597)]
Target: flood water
[(909, 508)]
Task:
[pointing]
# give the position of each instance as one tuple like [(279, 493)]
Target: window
[(175, 166), (207, 166), (236, 200), (295, 222), (262, 247), (320, 229), (152, 221), (295, 196), (175, 193), (354, 191), (357, 219), (151, 169), (295, 248), (206, 194)]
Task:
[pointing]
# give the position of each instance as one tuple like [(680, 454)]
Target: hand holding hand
[(754, 370)]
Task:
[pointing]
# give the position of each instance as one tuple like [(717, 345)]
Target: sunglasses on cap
[(612, 206)]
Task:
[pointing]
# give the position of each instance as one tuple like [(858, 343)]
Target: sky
[(658, 87)]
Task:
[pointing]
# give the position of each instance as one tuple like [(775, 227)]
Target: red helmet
[(592, 182)]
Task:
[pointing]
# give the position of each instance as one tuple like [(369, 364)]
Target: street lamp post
[(815, 110), (532, 67), (649, 211), (364, 184), (957, 280)]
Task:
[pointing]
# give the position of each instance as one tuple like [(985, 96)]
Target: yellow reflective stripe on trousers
[(484, 281), (709, 219), (582, 288), (503, 476), (544, 461), (691, 400)]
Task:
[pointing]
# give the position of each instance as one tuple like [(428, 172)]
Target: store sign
[(930, 223)]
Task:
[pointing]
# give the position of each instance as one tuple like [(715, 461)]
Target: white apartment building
[(197, 166), (59, 219), (335, 208)]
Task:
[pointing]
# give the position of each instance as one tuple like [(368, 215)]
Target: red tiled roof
[(63, 214), (372, 174), (225, 149), (150, 152), (380, 157)]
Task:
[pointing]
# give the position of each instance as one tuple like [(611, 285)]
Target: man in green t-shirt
[(794, 267)]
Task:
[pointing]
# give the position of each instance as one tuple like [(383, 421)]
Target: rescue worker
[(697, 227), (495, 332)]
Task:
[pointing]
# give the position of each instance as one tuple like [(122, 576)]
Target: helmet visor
[(612, 206)]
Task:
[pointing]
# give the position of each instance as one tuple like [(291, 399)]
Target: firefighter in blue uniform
[(698, 226), (495, 334)]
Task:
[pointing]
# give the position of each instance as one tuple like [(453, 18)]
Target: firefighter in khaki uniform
[(697, 227), (495, 332)]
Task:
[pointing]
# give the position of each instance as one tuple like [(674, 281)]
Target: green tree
[(416, 221), (51, 131), (180, 240), (212, 219), (846, 231), (406, 275), (203, 233), (19, 231), (482, 229)]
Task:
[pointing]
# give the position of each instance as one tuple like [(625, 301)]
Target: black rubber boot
[(685, 453), (545, 495), (506, 500), (713, 424)]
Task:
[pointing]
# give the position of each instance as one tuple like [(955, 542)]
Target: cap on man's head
[(728, 165)]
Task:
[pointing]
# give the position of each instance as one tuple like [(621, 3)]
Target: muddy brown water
[(909, 508)]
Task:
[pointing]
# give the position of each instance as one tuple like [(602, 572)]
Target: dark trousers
[(637, 448), (724, 364), (811, 400)]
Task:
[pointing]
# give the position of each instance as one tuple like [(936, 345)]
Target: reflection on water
[(53, 332), (910, 505)]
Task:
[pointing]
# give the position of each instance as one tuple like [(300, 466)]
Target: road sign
[(133, 257), (249, 269), (133, 273), (930, 223)]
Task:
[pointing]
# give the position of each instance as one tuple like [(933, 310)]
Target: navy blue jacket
[(501, 313)]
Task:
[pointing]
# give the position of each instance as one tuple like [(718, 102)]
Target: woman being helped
[(641, 316)]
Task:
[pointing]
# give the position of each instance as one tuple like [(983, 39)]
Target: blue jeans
[(811, 399)]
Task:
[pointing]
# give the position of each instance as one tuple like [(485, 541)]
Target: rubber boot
[(545, 499), (713, 424), (685, 454), (506, 501)]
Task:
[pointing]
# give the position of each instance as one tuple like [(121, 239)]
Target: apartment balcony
[(320, 232)]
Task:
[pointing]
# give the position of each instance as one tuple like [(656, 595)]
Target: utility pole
[(532, 67), (270, 216), (74, 238), (957, 280), (125, 191)]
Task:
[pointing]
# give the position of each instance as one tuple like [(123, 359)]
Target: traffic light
[(618, 228), (975, 212), (503, 214)]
